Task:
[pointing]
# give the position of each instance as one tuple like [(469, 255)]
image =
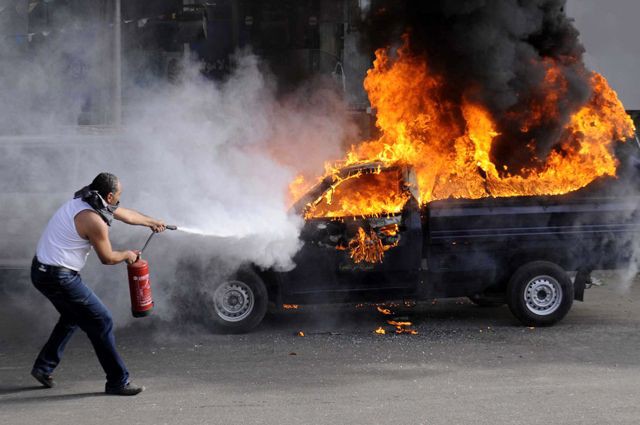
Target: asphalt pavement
[(466, 365)]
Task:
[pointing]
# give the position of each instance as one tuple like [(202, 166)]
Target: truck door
[(344, 252)]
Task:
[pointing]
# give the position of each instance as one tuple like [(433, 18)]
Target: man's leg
[(50, 285), (93, 317), (97, 322), (99, 327), (51, 353), (80, 305)]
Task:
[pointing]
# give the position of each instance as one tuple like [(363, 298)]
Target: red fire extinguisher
[(140, 284)]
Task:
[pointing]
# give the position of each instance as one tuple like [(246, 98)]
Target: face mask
[(93, 198), (111, 208)]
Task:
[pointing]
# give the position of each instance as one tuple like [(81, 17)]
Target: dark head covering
[(93, 198)]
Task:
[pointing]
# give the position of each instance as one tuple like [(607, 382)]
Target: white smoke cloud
[(203, 150), (214, 157)]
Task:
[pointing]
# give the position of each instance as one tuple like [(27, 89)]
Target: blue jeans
[(78, 307)]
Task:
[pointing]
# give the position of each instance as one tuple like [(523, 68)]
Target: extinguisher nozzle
[(171, 227)]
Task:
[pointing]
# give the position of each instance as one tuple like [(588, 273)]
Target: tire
[(486, 302), (540, 293), (239, 303)]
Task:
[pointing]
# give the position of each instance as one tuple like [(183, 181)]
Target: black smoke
[(494, 52)]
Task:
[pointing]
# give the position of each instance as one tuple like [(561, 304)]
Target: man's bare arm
[(93, 228), (137, 219)]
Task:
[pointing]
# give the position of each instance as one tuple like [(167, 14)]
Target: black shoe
[(128, 389), (43, 378)]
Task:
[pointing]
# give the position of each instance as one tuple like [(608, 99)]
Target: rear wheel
[(540, 293), (240, 303)]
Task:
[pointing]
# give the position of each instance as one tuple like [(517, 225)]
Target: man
[(80, 224)]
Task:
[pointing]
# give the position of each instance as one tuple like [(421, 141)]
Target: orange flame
[(396, 323), (406, 331), (359, 195), (380, 331), (369, 247), (401, 327), (384, 311), (290, 306), (366, 247), (452, 157)]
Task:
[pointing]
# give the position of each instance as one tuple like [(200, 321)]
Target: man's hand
[(157, 226), (132, 256)]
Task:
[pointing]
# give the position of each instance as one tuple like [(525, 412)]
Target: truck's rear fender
[(560, 258), (523, 256)]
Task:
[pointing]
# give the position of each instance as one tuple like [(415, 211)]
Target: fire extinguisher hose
[(168, 227)]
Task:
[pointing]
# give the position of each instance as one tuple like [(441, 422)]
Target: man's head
[(108, 186)]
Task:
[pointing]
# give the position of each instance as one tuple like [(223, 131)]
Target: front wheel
[(540, 293), (239, 303)]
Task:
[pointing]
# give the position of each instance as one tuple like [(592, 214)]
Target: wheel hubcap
[(233, 301), (543, 295)]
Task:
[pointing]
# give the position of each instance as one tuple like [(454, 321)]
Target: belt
[(46, 268)]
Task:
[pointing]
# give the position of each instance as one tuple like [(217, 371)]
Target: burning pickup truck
[(513, 250), (455, 197)]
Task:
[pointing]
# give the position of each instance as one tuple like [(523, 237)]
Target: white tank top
[(60, 244)]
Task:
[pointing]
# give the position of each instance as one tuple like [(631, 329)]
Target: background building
[(83, 59)]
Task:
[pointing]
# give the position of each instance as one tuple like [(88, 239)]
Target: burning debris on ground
[(401, 324), (384, 311)]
